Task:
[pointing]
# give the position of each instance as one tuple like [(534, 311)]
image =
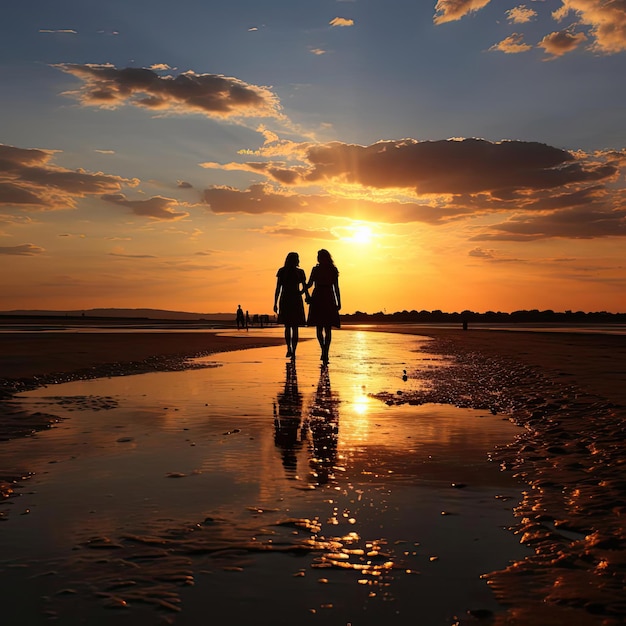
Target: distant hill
[(152, 314)]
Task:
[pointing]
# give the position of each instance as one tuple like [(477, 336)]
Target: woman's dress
[(290, 306), (323, 304)]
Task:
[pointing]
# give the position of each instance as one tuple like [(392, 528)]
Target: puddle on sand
[(219, 476)]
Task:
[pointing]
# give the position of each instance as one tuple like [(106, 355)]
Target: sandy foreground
[(566, 389)]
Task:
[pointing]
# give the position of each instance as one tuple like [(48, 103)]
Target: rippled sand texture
[(573, 513), (266, 492)]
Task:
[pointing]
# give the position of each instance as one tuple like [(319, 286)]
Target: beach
[(562, 471)]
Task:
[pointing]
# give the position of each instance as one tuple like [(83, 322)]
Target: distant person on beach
[(290, 285), (241, 320), (247, 319), (325, 301)]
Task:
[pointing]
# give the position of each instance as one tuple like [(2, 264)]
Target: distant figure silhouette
[(288, 432), (241, 320), (290, 285), (247, 320), (325, 301)]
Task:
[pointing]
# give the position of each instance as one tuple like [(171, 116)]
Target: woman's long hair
[(324, 258), (292, 260)]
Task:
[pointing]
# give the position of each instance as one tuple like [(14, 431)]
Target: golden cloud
[(341, 21), (559, 43), (452, 10), (513, 44), (607, 21)]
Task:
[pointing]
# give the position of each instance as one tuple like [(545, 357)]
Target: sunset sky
[(460, 154)]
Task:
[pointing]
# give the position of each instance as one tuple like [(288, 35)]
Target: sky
[(452, 155)]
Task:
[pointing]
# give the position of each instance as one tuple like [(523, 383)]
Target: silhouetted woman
[(290, 285), (325, 301)]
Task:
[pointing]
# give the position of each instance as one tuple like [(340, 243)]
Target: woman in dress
[(325, 301), (290, 285)]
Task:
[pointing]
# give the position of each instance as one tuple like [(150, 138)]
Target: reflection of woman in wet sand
[(290, 285), (325, 301), (287, 417), (324, 426)]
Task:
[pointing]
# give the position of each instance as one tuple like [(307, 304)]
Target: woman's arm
[(276, 294), (337, 295)]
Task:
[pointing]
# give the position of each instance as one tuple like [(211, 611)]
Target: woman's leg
[(320, 336), (288, 340), (327, 340), (295, 334)]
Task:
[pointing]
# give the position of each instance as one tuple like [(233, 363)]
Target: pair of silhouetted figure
[(324, 302)]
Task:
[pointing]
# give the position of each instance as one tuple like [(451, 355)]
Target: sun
[(361, 235)]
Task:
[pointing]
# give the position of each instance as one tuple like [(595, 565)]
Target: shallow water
[(280, 493)]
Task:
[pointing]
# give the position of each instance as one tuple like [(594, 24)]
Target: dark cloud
[(503, 169), (210, 94), (183, 184), (586, 222), (29, 180), (451, 166), (25, 249), (157, 207)]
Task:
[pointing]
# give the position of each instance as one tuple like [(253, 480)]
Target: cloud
[(452, 10), (481, 254), (454, 166), (520, 14), (67, 31), (341, 21), (603, 22), (303, 233), (183, 184), (25, 249), (104, 151), (261, 198), (586, 222), (317, 51), (212, 95), (29, 180), (449, 180), (513, 44), (607, 20), (156, 208), (132, 256), (559, 43)]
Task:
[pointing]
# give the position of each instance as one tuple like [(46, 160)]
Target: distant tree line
[(528, 317)]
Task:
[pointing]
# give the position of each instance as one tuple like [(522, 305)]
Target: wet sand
[(566, 390)]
